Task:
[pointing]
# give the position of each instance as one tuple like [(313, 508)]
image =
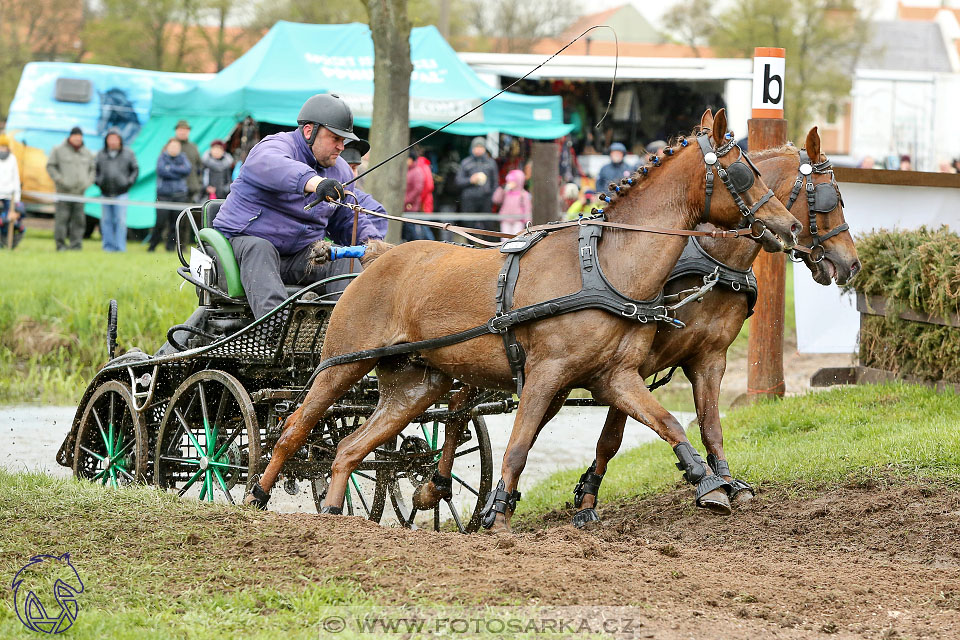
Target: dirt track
[(864, 561)]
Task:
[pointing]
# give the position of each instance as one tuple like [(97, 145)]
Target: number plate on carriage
[(200, 265)]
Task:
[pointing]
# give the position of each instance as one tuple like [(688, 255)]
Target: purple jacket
[(266, 200)]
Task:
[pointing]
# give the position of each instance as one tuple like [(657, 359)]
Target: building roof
[(630, 24), (905, 46)]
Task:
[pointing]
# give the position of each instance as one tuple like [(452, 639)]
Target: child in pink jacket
[(514, 200)]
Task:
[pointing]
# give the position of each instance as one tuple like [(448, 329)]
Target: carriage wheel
[(111, 444), (472, 476), (363, 496), (208, 446)]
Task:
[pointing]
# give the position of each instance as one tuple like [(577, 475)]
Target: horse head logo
[(52, 578)]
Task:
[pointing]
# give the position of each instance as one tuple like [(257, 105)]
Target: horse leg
[(329, 385), (406, 391), (540, 394), (705, 375), (440, 487), (586, 492), (626, 391)]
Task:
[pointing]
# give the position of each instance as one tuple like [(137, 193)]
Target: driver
[(263, 216)]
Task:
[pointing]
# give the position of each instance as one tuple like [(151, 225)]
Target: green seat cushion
[(226, 261)]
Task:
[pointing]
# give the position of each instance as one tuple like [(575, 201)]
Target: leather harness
[(694, 261)]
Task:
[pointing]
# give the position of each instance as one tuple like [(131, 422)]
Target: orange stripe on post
[(767, 113), (769, 52)]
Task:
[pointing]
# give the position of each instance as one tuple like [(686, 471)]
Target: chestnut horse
[(712, 326), (423, 290)]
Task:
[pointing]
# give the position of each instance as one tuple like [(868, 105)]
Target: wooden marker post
[(765, 130)]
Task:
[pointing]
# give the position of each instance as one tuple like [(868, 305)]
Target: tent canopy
[(295, 61)]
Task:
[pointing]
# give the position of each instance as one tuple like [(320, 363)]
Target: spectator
[(72, 167), (905, 163), (195, 179), (217, 171), (423, 163), (514, 200), (413, 200), (173, 168), (616, 170), (9, 193), (867, 163), (956, 165), (477, 179), (353, 152), (116, 172), (583, 205), (946, 167), (657, 146)]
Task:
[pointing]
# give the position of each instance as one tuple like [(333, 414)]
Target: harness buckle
[(625, 314), (585, 252)]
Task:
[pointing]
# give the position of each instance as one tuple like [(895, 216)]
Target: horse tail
[(375, 249)]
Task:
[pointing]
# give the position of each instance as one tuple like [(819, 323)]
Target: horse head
[(739, 196)]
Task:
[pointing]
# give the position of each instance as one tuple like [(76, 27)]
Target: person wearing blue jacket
[(173, 167), (264, 215)]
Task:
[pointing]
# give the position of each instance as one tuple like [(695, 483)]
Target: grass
[(157, 567), (53, 313), (813, 439)]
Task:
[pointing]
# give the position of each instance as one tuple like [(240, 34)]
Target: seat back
[(210, 210)]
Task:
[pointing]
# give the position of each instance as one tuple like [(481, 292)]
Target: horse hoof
[(716, 501), (742, 497), (586, 519), (426, 497)]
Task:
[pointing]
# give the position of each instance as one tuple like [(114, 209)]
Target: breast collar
[(695, 261)]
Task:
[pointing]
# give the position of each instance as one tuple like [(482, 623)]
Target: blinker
[(741, 176), (825, 198)]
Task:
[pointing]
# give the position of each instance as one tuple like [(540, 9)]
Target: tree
[(220, 43), (36, 30), (389, 128), (515, 26), (691, 23), (146, 34), (823, 39)]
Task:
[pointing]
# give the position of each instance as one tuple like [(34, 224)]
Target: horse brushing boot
[(589, 485), (257, 497), (695, 472), (498, 501), (740, 491)]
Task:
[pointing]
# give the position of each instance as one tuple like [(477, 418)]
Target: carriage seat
[(227, 269)]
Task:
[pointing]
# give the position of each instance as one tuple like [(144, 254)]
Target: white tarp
[(828, 322)]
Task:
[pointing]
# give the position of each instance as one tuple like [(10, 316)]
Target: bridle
[(821, 198), (737, 178)]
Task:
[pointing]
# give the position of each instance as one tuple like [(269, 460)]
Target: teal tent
[(294, 61)]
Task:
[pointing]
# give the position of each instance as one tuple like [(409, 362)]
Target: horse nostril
[(796, 228), (855, 268)]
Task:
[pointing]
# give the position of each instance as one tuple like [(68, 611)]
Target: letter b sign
[(768, 82)]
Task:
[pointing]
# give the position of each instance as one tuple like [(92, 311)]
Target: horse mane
[(637, 181)]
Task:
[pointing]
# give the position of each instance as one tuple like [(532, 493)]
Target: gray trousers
[(69, 223), (264, 272)]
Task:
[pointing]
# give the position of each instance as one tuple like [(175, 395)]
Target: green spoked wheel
[(417, 453), (208, 446), (111, 440), (363, 497)]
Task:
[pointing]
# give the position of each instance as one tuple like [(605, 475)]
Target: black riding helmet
[(327, 110)]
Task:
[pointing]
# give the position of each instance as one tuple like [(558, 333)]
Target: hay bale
[(919, 270)]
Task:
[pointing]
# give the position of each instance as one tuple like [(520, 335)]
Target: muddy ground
[(875, 559)]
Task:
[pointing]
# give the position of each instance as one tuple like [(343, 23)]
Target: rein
[(468, 232)]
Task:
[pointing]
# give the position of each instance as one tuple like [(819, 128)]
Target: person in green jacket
[(72, 167)]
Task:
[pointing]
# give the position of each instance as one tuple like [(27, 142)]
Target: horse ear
[(706, 120), (719, 129), (813, 145)]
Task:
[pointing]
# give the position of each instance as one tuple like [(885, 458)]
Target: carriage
[(200, 417)]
